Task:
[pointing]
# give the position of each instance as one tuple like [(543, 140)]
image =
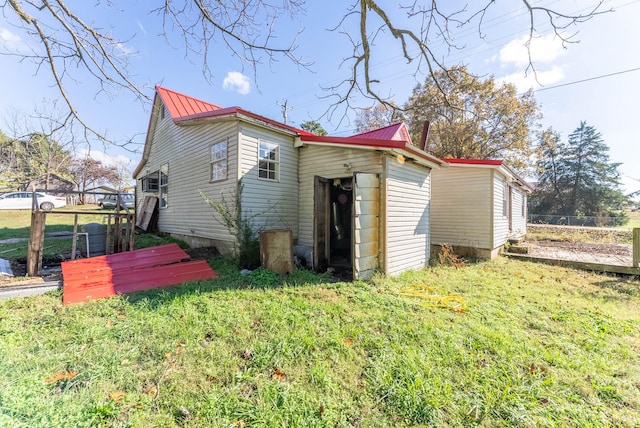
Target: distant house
[(358, 204), (53, 184), (477, 205)]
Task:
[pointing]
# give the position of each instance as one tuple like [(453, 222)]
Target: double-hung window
[(218, 161), (268, 161), (163, 187)]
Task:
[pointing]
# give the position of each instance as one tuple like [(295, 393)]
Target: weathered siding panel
[(461, 207), (328, 162), (186, 151), (500, 221), (408, 193), (273, 204), (367, 211)]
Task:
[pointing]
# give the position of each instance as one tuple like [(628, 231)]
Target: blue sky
[(607, 45)]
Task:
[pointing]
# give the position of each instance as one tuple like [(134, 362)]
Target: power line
[(602, 76)]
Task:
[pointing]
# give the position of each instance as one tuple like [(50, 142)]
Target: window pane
[(219, 170), (268, 157), (219, 151)]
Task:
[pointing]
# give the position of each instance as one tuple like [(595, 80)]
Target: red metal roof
[(184, 108), (106, 276), (374, 144), (493, 162), (180, 105), (397, 131)]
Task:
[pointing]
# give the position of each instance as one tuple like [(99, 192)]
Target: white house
[(358, 203), (477, 205)]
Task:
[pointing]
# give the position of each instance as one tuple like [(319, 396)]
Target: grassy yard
[(501, 343), (634, 220), (17, 224)]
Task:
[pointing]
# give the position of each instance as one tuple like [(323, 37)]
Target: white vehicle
[(22, 201)]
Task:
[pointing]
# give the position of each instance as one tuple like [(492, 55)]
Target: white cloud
[(119, 161), (541, 78), (126, 50), (543, 50), (236, 81), (12, 41)]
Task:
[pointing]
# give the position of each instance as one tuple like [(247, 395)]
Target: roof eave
[(153, 120), (393, 146)]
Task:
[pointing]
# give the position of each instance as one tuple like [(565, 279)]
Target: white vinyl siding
[(519, 213), (500, 222), (408, 193), (187, 151), (328, 162), (272, 204), (461, 207)]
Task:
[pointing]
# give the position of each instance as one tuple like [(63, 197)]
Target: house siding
[(519, 216), (461, 207), (408, 192), (186, 151), (500, 221), (327, 162), (270, 204)]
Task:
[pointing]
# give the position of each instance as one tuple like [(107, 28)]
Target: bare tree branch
[(69, 48), (417, 42)]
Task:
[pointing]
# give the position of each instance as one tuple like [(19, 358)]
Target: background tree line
[(39, 156)]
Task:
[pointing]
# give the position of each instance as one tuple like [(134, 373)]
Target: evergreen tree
[(314, 127), (577, 178)]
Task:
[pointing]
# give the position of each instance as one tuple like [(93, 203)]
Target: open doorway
[(340, 237), (333, 224)]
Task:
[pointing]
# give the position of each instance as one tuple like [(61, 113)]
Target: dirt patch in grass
[(581, 244), (581, 247)]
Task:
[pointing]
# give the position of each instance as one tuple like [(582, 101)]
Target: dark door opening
[(341, 220), (333, 230)]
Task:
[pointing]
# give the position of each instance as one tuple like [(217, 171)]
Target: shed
[(51, 183), (356, 204), (477, 205)]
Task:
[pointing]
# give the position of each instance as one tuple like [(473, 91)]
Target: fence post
[(36, 243), (636, 247)]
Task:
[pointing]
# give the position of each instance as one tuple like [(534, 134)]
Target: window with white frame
[(163, 186), (524, 206), (268, 160), (505, 200), (218, 161)]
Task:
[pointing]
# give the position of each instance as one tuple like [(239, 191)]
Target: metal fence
[(571, 220)]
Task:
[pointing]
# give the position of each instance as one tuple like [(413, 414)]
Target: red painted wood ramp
[(106, 276)]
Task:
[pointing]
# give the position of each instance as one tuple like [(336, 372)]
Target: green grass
[(634, 220), (535, 346), (17, 224)]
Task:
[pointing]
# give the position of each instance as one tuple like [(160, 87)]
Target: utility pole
[(285, 110)]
